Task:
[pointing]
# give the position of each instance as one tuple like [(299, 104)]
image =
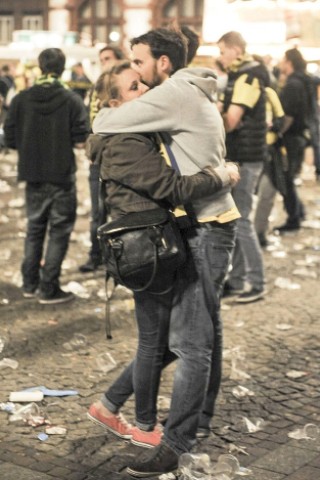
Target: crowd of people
[(227, 144)]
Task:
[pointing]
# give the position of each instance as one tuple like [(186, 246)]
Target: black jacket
[(43, 124), (299, 102)]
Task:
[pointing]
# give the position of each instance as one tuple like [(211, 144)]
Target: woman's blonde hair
[(107, 86)]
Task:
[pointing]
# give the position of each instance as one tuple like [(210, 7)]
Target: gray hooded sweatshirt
[(182, 106)]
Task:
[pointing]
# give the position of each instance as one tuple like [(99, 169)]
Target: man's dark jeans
[(295, 146), (315, 143), (195, 335), (51, 210)]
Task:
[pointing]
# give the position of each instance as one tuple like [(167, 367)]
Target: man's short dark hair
[(233, 39), (164, 41), (193, 42), (5, 69), (118, 53), (52, 60), (295, 57)]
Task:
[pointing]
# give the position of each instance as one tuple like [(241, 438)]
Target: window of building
[(6, 28), (188, 12), (85, 11), (32, 22), (101, 20)]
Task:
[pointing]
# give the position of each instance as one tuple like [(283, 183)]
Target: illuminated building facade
[(95, 22)]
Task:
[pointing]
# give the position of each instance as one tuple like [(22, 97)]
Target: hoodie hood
[(203, 78), (47, 98)]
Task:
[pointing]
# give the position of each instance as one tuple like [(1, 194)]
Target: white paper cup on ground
[(36, 396)]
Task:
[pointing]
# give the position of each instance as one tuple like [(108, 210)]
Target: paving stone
[(259, 474), (256, 451), (14, 472), (292, 404), (285, 459), (306, 473), (41, 466), (266, 444), (77, 476), (316, 462)]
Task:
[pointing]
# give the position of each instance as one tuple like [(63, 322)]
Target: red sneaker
[(116, 424), (147, 439)]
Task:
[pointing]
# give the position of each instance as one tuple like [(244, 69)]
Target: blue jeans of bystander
[(50, 208), (247, 260)]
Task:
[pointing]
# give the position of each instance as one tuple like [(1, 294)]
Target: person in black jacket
[(44, 124), (243, 108), (108, 56), (7, 91), (297, 105)]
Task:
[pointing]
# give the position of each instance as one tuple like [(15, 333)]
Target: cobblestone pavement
[(271, 348)]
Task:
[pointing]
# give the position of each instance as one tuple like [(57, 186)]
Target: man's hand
[(234, 174), (79, 145), (232, 117)]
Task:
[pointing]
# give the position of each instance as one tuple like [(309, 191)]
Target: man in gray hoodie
[(182, 107)]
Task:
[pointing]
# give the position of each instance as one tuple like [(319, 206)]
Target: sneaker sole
[(136, 473), (234, 293), (201, 435), (144, 444), (251, 299), (29, 295), (106, 427), (55, 301)]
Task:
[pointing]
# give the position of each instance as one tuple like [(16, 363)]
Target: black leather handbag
[(139, 246)]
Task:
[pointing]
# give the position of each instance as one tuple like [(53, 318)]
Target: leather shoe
[(288, 227), (90, 266)]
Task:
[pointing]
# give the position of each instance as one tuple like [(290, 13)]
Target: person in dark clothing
[(44, 124), (80, 83), (108, 55), (315, 126), (243, 107), (7, 91), (6, 80), (193, 41), (296, 105)]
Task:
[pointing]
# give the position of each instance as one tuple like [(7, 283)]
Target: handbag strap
[(172, 159), (108, 305)]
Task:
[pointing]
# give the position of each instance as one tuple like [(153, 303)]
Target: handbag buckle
[(155, 234), (116, 246)]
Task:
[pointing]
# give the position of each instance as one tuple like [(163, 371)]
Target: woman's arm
[(134, 161)]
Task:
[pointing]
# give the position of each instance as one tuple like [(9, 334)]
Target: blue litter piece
[(52, 393), (43, 436)]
